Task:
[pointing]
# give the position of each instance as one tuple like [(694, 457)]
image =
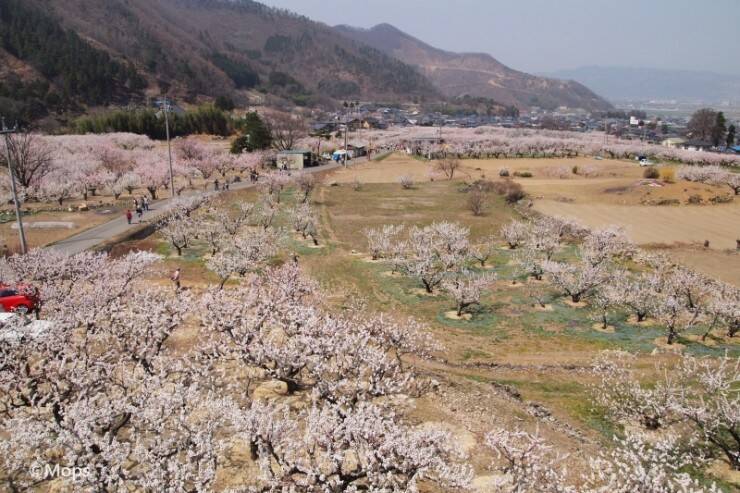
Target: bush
[(483, 185), (477, 201), (695, 199), (509, 189), (407, 183), (503, 172), (668, 175), (575, 170), (523, 174), (515, 194), (722, 199), (651, 173)]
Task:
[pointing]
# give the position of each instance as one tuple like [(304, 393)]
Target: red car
[(18, 299)]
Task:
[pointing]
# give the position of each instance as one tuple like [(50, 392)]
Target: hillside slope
[(196, 48), (476, 74)]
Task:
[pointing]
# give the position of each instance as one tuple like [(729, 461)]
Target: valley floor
[(511, 365)]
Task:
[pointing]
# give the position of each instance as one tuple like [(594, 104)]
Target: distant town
[(628, 124)]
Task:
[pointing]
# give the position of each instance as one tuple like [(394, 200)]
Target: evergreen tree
[(204, 120), (255, 135), (224, 103), (719, 131), (730, 140)]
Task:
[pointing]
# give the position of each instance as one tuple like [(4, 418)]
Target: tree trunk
[(671, 336), (152, 192), (733, 329)]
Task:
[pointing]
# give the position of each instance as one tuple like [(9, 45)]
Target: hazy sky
[(546, 35)]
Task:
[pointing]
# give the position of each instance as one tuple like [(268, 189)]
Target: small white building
[(673, 142), (287, 160)]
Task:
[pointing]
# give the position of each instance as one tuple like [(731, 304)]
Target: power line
[(19, 218)]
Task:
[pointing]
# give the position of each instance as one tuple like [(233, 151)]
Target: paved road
[(99, 234)]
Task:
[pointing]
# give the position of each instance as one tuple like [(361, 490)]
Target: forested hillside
[(67, 70), (62, 53)]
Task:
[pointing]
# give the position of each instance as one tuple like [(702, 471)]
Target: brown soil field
[(657, 225), (724, 266), (391, 168)]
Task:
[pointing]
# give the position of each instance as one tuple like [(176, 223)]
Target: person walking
[(136, 203), (146, 204), (175, 278), (128, 215), (139, 212)]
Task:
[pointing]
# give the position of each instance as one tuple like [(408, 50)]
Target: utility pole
[(346, 130), (169, 145), (19, 218)]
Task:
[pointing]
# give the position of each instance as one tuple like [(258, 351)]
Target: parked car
[(18, 299), (646, 162)]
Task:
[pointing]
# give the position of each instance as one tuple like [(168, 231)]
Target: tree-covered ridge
[(150, 122), (79, 71)]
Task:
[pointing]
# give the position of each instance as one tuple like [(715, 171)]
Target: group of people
[(140, 206), (217, 185)]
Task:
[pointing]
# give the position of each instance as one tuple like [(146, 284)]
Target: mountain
[(644, 84), (62, 53), (476, 74)]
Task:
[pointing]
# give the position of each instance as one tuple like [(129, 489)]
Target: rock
[(270, 390), (277, 336), (350, 462), (484, 484), (83, 207), (460, 436)]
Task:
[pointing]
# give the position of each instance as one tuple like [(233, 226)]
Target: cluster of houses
[(669, 132)]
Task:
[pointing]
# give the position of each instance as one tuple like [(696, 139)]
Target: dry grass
[(41, 237)]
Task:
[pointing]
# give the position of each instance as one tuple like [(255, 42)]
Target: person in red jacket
[(129, 215)]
